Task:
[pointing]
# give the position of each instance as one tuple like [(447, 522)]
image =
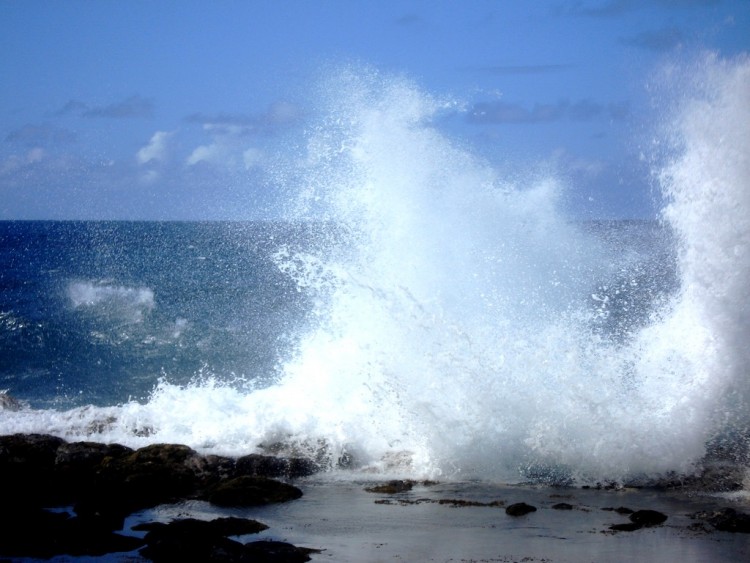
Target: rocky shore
[(73, 498)]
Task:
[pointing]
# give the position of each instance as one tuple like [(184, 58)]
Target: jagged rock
[(519, 509), (392, 487), (251, 491)]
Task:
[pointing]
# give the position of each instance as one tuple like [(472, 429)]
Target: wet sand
[(349, 524)]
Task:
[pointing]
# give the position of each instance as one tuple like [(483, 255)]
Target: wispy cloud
[(40, 135), (582, 110), (134, 106), (659, 40), (278, 114)]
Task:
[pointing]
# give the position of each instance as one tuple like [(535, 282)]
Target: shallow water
[(345, 522)]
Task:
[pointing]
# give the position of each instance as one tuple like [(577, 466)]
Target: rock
[(198, 540), (145, 478), (648, 518), (277, 552), (28, 461), (619, 510), (519, 509), (9, 403), (392, 487), (726, 520), (251, 491), (42, 534), (271, 466), (77, 465), (562, 506)]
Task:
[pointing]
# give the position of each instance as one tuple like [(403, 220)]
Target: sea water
[(413, 311)]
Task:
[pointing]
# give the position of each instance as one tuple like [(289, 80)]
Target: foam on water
[(454, 332)]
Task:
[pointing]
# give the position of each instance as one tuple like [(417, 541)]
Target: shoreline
[(89, 499)]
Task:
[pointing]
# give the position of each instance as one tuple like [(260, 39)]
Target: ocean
[(412, 312)]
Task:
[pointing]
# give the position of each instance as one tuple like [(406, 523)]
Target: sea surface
[(413, 311)]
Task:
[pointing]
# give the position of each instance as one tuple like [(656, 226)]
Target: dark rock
[(258, 465), (277, 552), (44, 534), (251, 491), (77, 465), (198, 540), (648, 517), (619, 510), (726, 520), (519, 509), (392, 487), (230, 526), (209, 470), (28, 462), (145, 478), (562, 506)]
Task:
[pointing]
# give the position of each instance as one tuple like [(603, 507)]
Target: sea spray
[(461, 325), (457, 328)]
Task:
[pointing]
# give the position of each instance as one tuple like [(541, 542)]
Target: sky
[(172, 110)]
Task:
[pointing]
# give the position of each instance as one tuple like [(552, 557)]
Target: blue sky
[(168, 110)]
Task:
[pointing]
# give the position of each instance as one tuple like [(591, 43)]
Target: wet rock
[(726, 520), (519, 509), (251, 491), (562, 506), (44, 534), (145, 478), (28, 462), (648, 518), (392, 487), (271, 466), (277, 552), (9, 403), (619, 510), (198, 540)]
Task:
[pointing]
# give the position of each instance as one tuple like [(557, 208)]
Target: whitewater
[(461, 324)]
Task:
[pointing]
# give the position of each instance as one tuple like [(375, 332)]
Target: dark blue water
[(96, 312)]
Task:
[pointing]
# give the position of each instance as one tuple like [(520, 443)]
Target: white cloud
[(156, 149), (213, 154)]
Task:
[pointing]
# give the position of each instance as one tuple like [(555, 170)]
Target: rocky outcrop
[(106, 482)]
